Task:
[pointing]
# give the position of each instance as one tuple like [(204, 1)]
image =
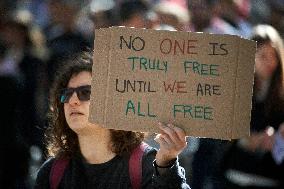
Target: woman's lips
[(76, 113)]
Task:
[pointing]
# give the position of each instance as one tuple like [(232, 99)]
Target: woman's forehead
[(82, 78)]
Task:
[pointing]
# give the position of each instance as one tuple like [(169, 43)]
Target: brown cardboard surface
[(192, 62)]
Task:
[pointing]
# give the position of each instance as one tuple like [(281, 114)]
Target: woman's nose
[(74, 99)]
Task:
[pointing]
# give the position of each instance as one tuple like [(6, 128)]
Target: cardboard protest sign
[(201, 81)]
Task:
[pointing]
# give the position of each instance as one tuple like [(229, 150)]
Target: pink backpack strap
[(135, 165), (57, 172)]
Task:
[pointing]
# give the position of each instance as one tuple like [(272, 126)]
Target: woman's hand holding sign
[(172, 141)]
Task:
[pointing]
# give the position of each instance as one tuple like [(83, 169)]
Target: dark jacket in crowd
[(14, 158), (242, 169)]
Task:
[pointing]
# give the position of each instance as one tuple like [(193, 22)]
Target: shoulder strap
[(135, 165), (57, 172)]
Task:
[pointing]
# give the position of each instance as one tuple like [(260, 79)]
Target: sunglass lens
[(65, 95), (84, 93)]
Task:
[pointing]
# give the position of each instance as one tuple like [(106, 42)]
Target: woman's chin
[(85, 128), (78, 125)]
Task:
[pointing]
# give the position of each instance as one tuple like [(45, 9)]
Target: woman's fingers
[(172, 141), (181, 133), (173, 136), (170, 132), (176, 134), (160, 140)]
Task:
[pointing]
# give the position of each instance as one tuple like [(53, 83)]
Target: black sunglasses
[(83, 93)]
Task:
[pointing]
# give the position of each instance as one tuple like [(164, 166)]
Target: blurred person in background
[(94, 15), (23, 61), (268, 99), (173, 13), (206, 16), (276, 18), (257, 161), (201, 14), (222, 17), (260, 12), (133, 14), (4, 9), (63, 38), (20, 60), (238, 13), (102, 13), (15, 157)]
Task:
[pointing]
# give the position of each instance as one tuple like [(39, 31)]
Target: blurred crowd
[(38, 36)]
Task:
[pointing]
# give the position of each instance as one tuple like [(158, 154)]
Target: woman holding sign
[(84, 155)]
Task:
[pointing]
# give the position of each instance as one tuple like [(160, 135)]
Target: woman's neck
[(95, 147)]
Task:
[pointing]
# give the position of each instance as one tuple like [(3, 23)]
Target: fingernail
[(157, 136)]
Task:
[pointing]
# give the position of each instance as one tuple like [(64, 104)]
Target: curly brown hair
[(60, 139)]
